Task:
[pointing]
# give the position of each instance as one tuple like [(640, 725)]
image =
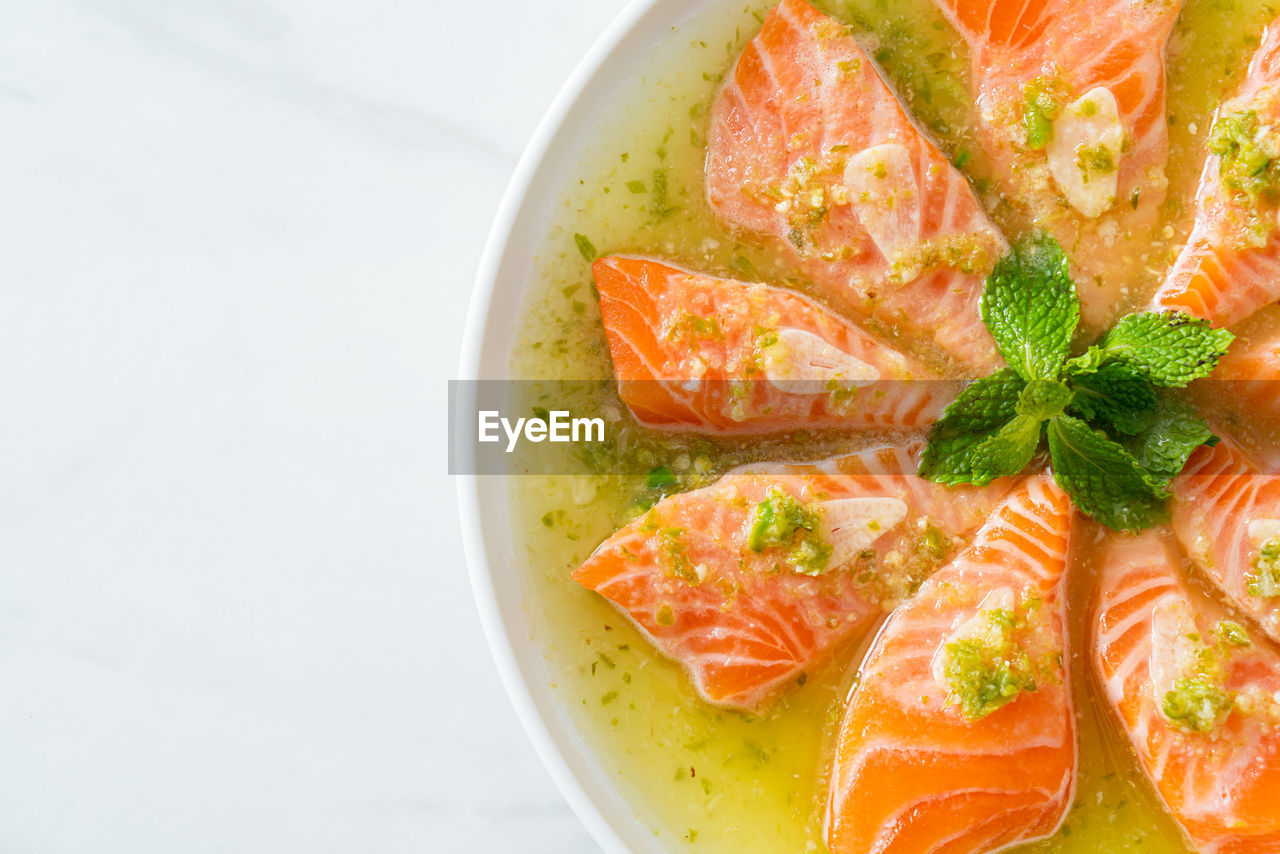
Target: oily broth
[(708, 779)]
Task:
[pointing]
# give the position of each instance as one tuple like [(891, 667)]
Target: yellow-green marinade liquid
[(704, 778)]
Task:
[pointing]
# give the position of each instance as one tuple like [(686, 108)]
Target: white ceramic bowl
[(496, 563)]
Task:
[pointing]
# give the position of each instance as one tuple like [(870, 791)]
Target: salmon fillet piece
[(1095, 71), (1225, 512), (1230, 265), (811, 151), (1248, 380), (714, 355), (738, 610), (914, 771), (1151, 630)]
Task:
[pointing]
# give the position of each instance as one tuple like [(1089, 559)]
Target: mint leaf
[(1043, 399), (1031, 308), (977, 414), (992, 430), (1163, 448), (1104, 480), (1007, 451), (1086, 363), (1169, 348), (1117, 395)]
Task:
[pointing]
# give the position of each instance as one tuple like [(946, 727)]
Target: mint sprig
[(1169, 348), (1104, 480), (1031, 308), (983, 407), (1114, 439), (1163, 448), (1115, 395)]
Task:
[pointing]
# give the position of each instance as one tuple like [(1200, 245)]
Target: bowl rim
[(484, 592)]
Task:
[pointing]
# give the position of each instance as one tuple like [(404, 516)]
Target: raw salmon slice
[(1226, 514), (1071, 102), (918, 766), (811, 150), (716, 577), (1248, 380), (718, 355), (1230, 265), (1198, 707)]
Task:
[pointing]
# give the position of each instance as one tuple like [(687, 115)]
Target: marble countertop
[(239, 239)]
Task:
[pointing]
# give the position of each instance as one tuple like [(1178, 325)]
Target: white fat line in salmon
[(558, 426)]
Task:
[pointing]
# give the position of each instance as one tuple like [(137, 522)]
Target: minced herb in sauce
[(1250, 154), (1232, 632), (1263, 578), (989, 670), (1199, 701), (782, 522), (1041, 103)]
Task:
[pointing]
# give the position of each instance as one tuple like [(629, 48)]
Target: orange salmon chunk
[(702, 353), (1230, 265), (959, 735), (727, 581), (1195, 695), (810, 150)]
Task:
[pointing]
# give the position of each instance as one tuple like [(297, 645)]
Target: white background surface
[(237, 239)]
